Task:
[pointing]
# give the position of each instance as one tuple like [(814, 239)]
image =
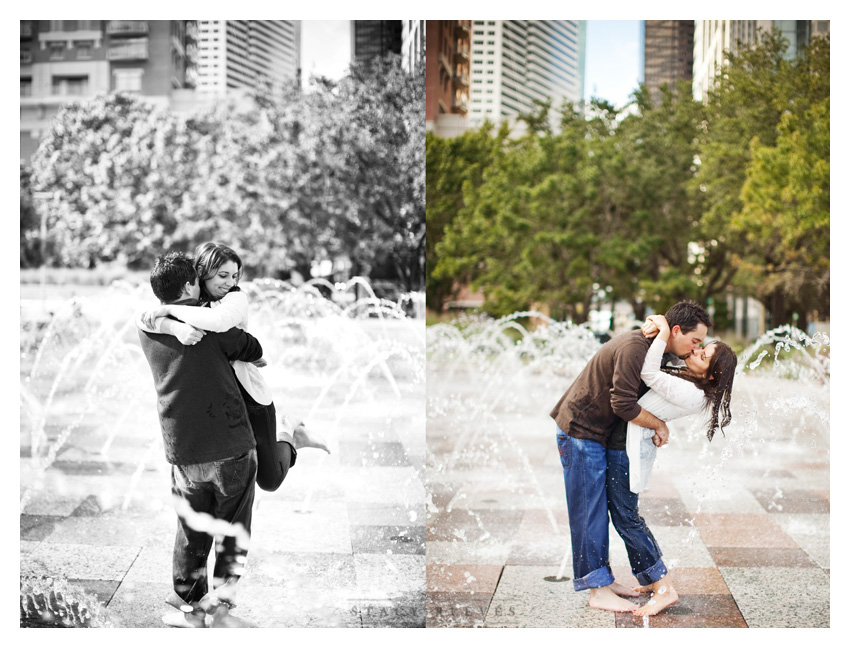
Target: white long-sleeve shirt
[(668, 398), (231, 310)]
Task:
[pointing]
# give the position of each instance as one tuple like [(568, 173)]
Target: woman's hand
[(149, 317), (656, 325), (187, 334), (260, 363)]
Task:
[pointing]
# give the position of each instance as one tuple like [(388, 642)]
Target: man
[(210, 445), (591, 419)]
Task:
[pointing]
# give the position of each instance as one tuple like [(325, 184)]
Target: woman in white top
[(219, 269), (703, 384)]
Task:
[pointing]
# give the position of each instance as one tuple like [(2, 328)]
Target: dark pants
[(224, 490), (644, 552), (274, 458)]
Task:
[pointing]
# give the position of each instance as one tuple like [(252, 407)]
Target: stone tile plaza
[(743, 521)]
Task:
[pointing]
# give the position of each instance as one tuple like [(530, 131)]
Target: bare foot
[(603, 598), (305, 438), (663, 597), (643, 589), (622, 590)]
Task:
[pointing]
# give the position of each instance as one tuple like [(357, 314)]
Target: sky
[(612, 62), (325, 49)]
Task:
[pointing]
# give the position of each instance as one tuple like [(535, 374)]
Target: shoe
[(184, 620)]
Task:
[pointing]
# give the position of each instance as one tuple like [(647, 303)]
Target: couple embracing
[(218, 421), (610, 422)]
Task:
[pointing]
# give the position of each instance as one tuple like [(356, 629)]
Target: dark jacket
[(605, 394), (201, 412)]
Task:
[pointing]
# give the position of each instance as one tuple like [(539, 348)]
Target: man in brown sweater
[(591, 419)]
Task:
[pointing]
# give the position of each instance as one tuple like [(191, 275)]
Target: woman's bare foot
[(663, 596), (622, 590), (603, 598)]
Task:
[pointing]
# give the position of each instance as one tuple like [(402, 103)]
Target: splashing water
[(493, 382)]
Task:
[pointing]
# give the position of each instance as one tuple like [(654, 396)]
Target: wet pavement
[(340, 544), (743, 522)]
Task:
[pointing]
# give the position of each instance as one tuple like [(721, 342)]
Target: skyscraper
[(412, 43), (515, 62), (248, 55), (668, 53), (713, 37), (66, 60), (371, 38), (447, 76)]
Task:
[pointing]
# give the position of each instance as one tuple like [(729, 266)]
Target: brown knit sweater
[(605, 394)]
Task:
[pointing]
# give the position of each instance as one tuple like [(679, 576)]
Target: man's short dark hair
[(687, 315), (170, 273)]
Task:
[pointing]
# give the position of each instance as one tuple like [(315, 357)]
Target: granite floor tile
[(38, 527), (527, 598), (371, 514), (780, 500), (281, 525), (741, 530), (758, 557), (810, 532), (690, 611), (463, 553), (474, 525), (388, 539), (402, 612), (301, 571), (469, 579), (391, 575), (82, 561), (103, 590), (780, 597), (728, 497), (456, 610), (139, 605), (663, 511)]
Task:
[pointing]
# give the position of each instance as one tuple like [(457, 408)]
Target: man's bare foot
[(643, 589), (664, 596), (603, 598), (622, 590)]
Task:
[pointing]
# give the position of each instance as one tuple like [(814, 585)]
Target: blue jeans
[(585, 467), (644, 552), (597, 483), (225, 490)]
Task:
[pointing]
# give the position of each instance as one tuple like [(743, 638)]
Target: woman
[(703, 384), (219, 269)]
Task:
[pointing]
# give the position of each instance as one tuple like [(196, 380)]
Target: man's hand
[(661, 435), (188, 335)]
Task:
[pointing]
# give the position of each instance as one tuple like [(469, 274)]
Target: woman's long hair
[(717, 386), (209, 257)]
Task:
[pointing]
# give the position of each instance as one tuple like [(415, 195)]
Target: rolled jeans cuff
[(597, 578), (653, 574)]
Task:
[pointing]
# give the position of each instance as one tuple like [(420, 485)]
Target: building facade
[(447, 56), (713, 37), (371, 38), (68, 60), (412, 43), (667, 53), (248, 55), (515, 62)]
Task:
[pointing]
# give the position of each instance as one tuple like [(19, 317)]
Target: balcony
[(192, 30), (462, 54), (126, 27), (461, 80), (128, 51), (26, 29), (462, 29), (460, 105), (26, 56)]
